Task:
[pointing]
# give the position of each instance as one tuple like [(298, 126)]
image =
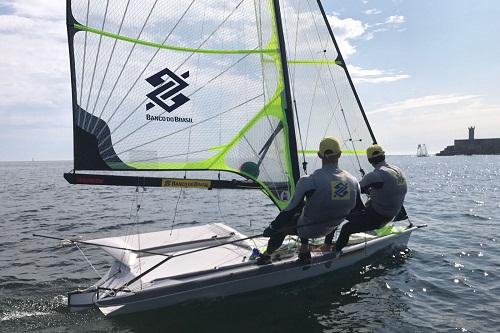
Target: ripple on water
[(447, 282)]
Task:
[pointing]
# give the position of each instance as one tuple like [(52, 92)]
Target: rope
[(87, 260), (175, 211), (138, 208)]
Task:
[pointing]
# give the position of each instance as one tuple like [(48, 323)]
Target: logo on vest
[(340, 190), (167, 93)]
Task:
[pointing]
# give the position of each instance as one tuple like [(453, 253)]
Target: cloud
[(395, 19), (373, 11), (41, 9), (34, 68), (392, 22), (361, 75), (424, 102)]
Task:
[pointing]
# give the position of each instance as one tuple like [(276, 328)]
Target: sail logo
[(167, 94), (340, 190)]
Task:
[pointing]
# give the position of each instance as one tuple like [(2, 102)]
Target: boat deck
[(130, 264)]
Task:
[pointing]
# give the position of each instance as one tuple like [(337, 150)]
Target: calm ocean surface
[(448, 280)]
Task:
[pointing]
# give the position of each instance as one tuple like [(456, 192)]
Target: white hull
[(194, 276)]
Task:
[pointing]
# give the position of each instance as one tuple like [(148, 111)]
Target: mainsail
[(222, 85)]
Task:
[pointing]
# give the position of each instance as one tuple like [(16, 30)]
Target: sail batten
[(170, 47)]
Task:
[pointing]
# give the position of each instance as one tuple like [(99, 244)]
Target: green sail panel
[(158, 84)]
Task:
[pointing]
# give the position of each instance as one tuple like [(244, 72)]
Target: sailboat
[(422, 150), (240, 88)]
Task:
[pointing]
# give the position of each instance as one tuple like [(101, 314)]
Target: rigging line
[(287, 107), (264, 90), (83, 60), (285, 31), (88, 261), (73, 241), (128, 231), (273, 142), (269, 185), (143, 101), (186, 128), (334, 109), (339, 100), (323, 84), (296, 43), (175, 211), (292, 83), (195, 83), (210, 36), (125, 65), (304, 163), (263, 73), (156, 52), (219, 75), (169, 156), (316, 26), (312, 105), (139, 198), (95, 67), (344, 67), (333, 116), (349, 130), (107, 67), (294, 75), (312, 54), (294, 68), (188, 148), (138, 78), (258, 16)]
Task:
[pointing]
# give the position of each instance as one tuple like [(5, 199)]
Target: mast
[(344, 66), (292, 141), (70, 21)]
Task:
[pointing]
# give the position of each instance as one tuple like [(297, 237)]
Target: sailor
[(331, 193), (386, 188)]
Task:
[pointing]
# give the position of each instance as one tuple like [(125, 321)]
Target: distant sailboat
[(218, 86), (422, 150)]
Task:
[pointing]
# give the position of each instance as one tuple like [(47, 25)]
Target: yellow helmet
[(330, 143), (374, 151)]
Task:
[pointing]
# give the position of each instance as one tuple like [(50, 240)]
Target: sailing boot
[(263, 259), (304, 254)]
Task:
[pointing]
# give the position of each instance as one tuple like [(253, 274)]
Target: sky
[(424, 70)]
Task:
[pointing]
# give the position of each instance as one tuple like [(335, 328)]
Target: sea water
[(448, 280)]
